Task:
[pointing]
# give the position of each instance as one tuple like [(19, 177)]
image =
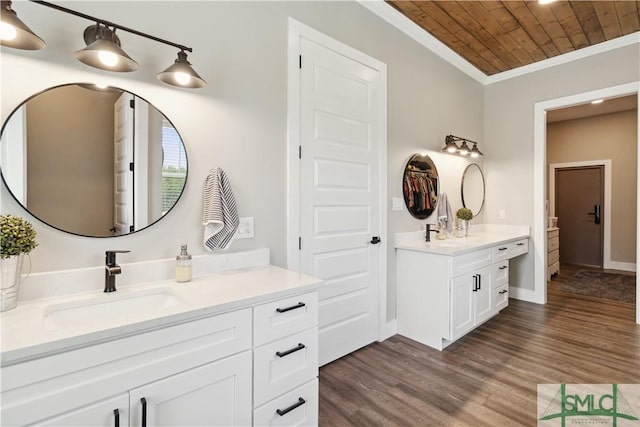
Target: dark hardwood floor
[(490, 376)]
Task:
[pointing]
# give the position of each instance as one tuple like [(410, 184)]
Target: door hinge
[(299, 243), (132, 103), (131, 229), (300, 62), (131, 166), (299, 151)]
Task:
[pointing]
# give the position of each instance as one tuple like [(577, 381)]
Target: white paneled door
[(122, 158), (340, 193)]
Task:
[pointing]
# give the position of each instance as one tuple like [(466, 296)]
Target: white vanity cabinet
[(214, 370), (443, 292)]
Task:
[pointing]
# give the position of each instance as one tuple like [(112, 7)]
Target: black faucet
[(427, 234), (111, 269)]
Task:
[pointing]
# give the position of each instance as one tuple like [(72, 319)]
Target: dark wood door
[(579, 208)]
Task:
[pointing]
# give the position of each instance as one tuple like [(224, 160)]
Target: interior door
[(579, 208), (339, 194), (123, 135)]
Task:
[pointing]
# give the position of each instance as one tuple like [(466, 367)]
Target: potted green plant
[(464, 215), (17, 237)]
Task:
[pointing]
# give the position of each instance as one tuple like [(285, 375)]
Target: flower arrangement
[(17, 236), (464, 214)]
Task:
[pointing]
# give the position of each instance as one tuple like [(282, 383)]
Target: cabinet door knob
[(143, 401), (293, 307), (503, 292), (292, 350), (502, 249), (502, 267), (299, 403), (116, 418)]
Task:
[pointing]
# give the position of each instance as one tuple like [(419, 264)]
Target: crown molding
[(411, 29)]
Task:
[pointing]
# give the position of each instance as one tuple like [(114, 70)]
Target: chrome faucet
[(427, 234), (111, 269)]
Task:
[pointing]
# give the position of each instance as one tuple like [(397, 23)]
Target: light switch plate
[(502, 214), (397, 204), (245, 228)]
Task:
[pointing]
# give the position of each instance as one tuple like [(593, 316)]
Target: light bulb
[(463, 152), (108, 58), (452, 149), (474, 154), (7, 32), (182, 78)]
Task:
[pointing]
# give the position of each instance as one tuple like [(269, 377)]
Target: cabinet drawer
[(284, 317), (500, 297), (554, 243), (518, 248), (284, 364), (553, 233), (500, 252), (471, 261), (298, 407), (500, 273), (553, 257)]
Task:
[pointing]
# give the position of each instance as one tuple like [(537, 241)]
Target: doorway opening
[(543, 151)]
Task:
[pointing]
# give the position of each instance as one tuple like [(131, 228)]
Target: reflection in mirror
[(420, 186), (473, 188), (93, 162)]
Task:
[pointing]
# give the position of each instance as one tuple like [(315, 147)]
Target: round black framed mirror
[(472, 188), (90, 161), (420, 186)]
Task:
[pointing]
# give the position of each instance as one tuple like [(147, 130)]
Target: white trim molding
[(539, 179), (394, 17), (298, 30)]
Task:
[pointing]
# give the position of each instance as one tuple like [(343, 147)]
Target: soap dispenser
[(183, 265)]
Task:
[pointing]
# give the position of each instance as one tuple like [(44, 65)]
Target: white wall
[(508, 132), (239, 120)]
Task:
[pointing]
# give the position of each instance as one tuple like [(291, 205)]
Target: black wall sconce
[(451, 146)]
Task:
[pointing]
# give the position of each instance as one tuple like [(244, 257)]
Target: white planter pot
[(10, 277)]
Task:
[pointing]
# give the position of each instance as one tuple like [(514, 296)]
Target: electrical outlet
[(245, 228), (502, 214)]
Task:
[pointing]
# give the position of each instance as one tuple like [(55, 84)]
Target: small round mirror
[(420, 186), (473, 188)]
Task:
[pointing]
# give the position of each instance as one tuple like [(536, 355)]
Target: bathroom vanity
[(446, 288), (233, 348)]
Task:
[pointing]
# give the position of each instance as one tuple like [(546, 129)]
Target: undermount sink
[(110, 309)]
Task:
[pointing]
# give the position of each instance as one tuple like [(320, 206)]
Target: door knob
[(375, 240)]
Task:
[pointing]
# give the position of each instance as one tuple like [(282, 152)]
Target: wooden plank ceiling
[(497, 36)]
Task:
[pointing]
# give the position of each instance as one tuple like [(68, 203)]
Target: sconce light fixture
[(451, 146), (15, 33), (103, 48)]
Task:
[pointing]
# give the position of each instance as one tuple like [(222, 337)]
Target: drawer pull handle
[(292, 350), (284, 411), (502, 249), (503, 292), (143, 401), (293, 307), (116, 418), (520, 244), (502, 267)]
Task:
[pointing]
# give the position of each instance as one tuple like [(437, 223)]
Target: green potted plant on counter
[(464, 215), (17, 237)]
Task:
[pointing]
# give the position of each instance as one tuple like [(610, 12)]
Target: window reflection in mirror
[(93, 162)]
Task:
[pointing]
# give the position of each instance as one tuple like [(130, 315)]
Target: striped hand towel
[(445, 214), (219, 213)]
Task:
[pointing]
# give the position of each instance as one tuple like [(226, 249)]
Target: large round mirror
[(93, 162), (473, 188), (420, 186)]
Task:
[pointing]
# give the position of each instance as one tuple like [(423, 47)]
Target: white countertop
[(480, 237), (25, 334)]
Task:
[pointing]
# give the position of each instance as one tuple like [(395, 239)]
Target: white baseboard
[(390, 329), (528, 295), (623, 266)]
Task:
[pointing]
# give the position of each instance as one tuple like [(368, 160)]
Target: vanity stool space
[(447, 288), (553, 251), (251, 360)]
